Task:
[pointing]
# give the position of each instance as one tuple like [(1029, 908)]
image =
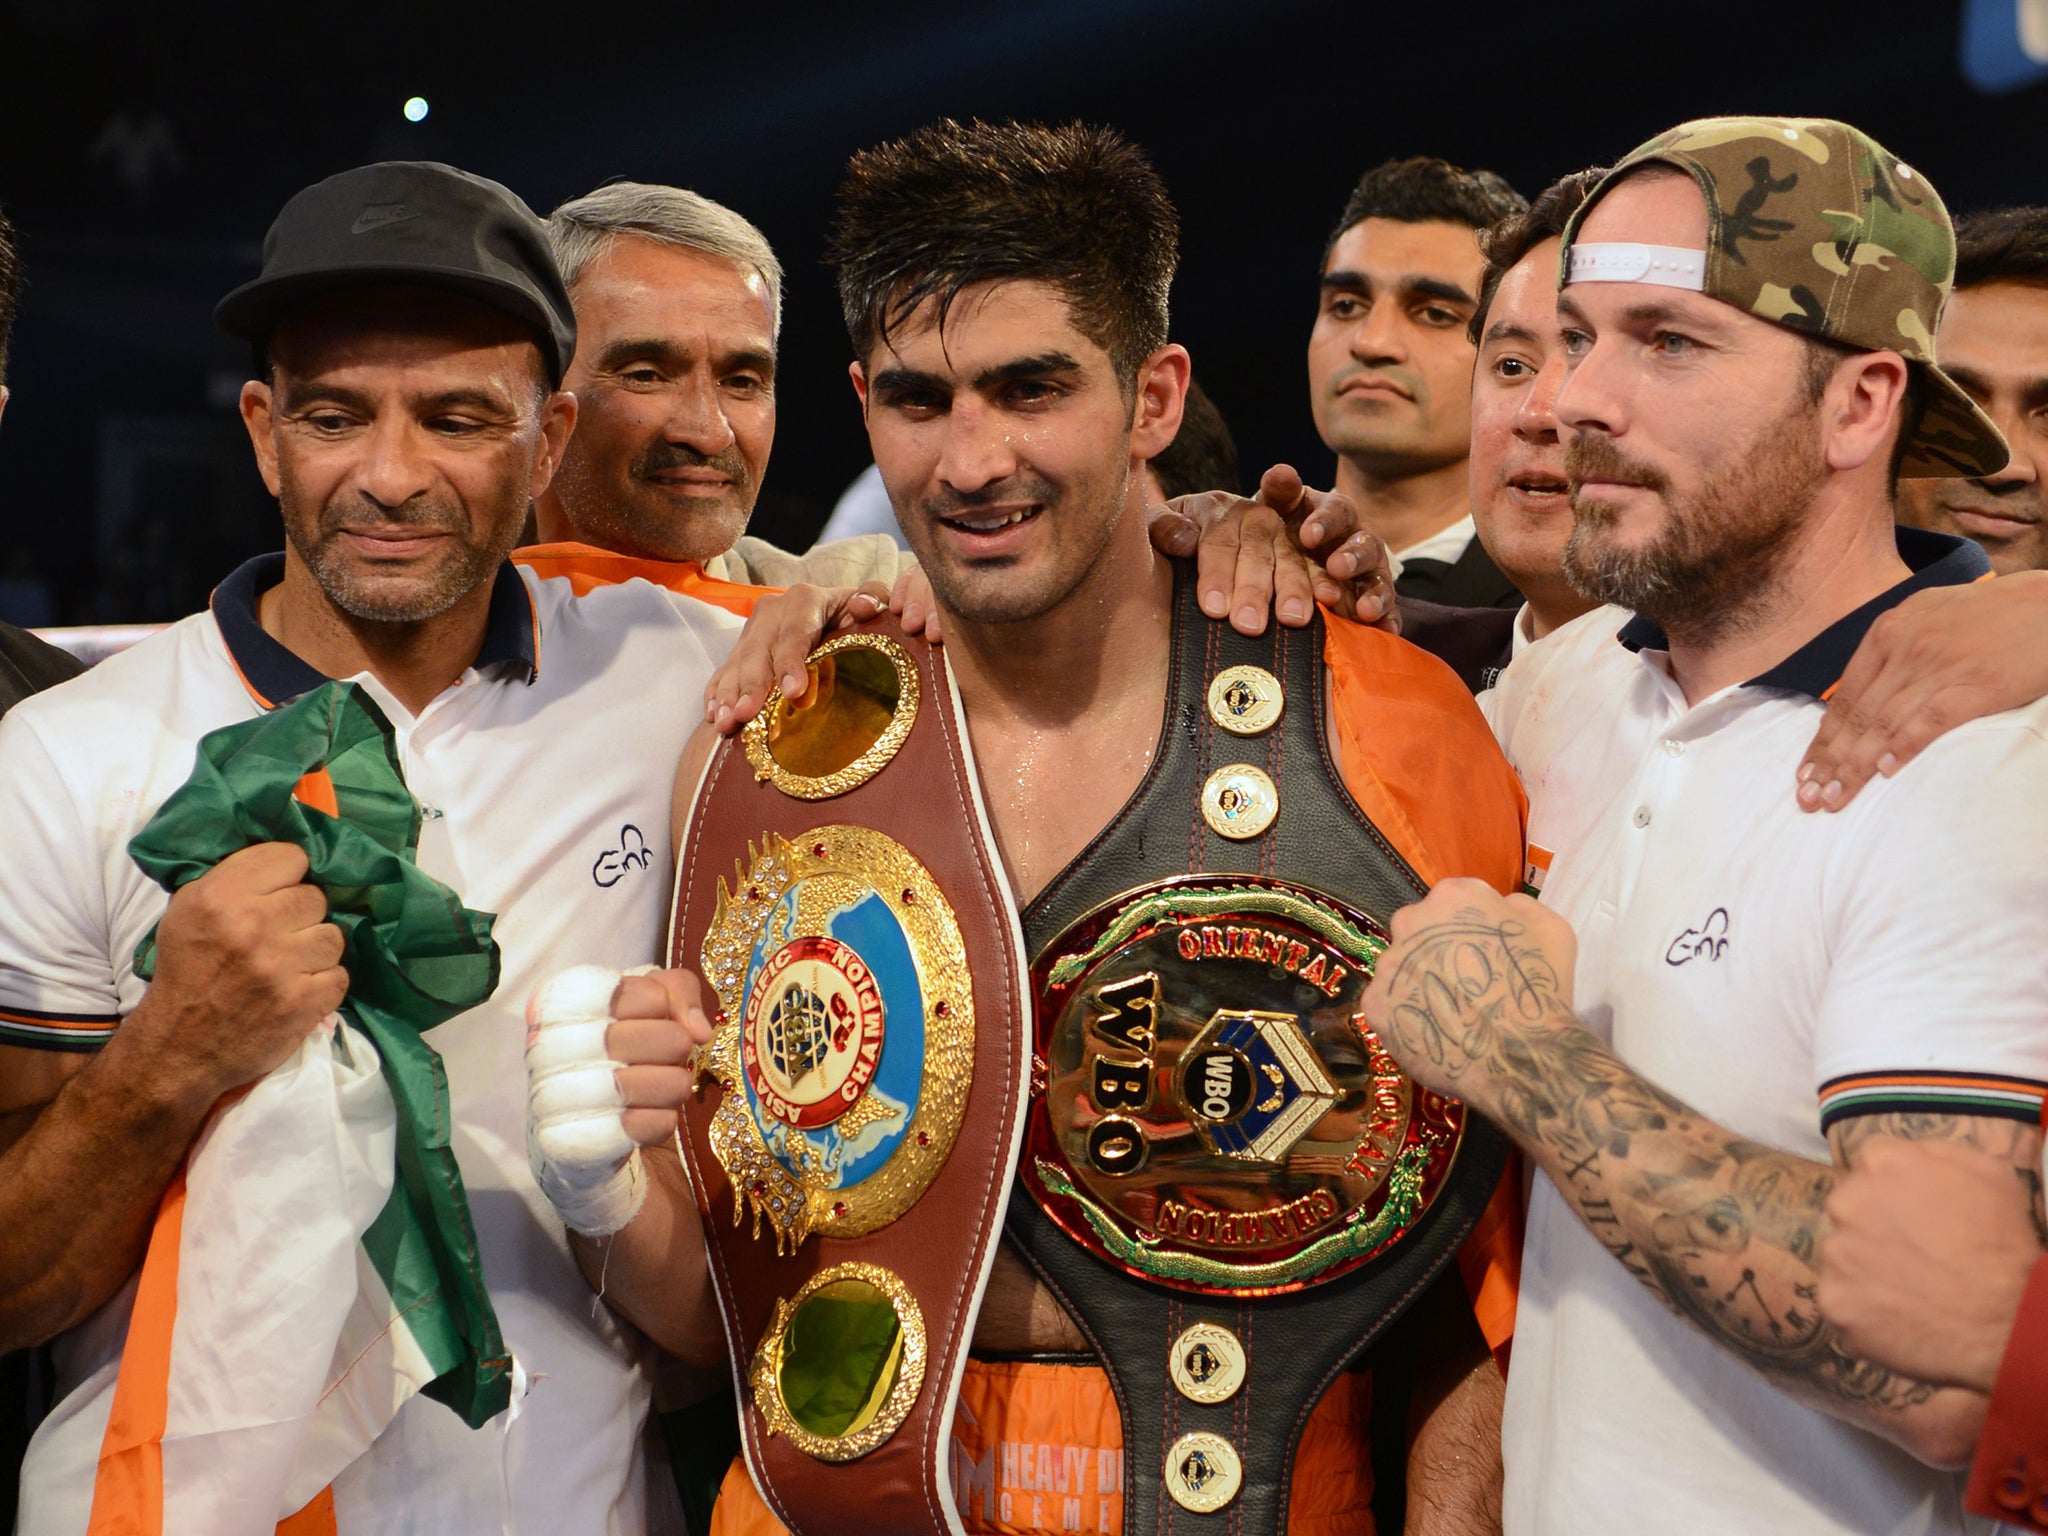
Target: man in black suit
[(1390, 368)]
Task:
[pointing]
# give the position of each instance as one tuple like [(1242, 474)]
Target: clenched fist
[(610, 1060), (247, 967)]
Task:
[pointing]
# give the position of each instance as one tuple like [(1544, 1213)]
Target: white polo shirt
[(546, 773), (1776, 970)]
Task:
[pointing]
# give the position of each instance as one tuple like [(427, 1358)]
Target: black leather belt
[(1227, 1184)]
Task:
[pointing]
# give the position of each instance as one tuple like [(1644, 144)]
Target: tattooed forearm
[(1722, 1230)]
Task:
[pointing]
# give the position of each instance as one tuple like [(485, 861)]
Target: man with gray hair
[(678, 307)]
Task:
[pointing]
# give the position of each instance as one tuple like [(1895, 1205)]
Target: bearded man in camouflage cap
[(1720, 1001)]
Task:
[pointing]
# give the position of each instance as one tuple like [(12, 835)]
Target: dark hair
[(1507, 242), (2002, 243), (1424, 188), (10, 288), (1202, 455), (1077, 207)]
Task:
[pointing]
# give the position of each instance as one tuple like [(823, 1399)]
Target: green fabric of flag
[(415, 956)]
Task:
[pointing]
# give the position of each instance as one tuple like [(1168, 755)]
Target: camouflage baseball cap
[(1816, 226)]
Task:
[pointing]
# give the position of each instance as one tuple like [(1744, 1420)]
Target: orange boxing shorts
[(1038, 1451)]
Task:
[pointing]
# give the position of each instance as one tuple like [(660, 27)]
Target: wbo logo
[(1709, 941), (614, 864)]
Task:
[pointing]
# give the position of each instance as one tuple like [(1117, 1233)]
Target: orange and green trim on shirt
[(1931, 1093)]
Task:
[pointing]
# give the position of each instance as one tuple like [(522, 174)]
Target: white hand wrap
[(576, 1139)]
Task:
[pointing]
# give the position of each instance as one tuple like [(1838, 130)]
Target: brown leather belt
[(852, 1144)]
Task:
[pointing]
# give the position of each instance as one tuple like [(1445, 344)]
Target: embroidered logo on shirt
[(1709, 941), (1535, 865), (614, 864)]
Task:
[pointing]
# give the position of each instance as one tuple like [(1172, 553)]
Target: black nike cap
[(410, 222)]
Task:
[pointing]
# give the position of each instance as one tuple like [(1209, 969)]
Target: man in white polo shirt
[(1720, 1000), (412, 334)]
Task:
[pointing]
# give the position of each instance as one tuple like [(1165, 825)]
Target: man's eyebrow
[(895, 380), (1509, 330), (1413, 285), (1026, 368), (303, 394), (760, 361), (475, 399), (1645, 312), (300, 393), (1656, 312), (630, 348), (1417, 285), (2030, 390)]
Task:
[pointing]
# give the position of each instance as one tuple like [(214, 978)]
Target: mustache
[(1586, 457), (662, 457), (428, 516), (951, 503), (1400, 377)]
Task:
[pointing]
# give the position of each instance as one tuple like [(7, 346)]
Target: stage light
[(415, 109)]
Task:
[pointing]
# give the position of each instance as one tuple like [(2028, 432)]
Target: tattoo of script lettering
[(1722, 1230)]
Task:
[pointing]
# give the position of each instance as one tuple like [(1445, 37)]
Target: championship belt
[(861, 1103), (1227, 1181)]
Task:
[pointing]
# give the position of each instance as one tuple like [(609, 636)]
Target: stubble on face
[(1716, 552), (461, 385), (997, 591), (469, 559)]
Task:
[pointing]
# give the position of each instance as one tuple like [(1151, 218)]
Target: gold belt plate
[(1216, 1114), (845, 1037)]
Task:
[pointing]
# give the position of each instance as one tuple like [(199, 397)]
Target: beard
[(998, 592), (415, 595), (1710, 568)]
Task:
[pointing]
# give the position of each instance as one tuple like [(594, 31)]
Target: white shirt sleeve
[(58, 985), (1936, 1000)]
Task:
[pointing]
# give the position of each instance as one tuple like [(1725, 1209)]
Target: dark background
[(144, 149)]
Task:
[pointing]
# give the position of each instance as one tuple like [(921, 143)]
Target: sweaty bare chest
[(1049, 798), (1049, 795)]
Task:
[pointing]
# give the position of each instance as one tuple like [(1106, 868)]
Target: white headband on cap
[(1668, 266)]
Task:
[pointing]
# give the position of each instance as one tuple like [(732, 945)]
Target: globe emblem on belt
[(812, 1036)]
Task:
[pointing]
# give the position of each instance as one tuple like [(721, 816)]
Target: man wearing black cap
[(410, 334)]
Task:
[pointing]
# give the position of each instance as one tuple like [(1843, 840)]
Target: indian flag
[(314, 1265)]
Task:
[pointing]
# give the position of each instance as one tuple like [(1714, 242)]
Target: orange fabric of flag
[(1421, 761), (128, 1494), (316, 789)]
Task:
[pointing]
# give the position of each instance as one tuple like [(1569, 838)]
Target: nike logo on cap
[(377, 215)]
